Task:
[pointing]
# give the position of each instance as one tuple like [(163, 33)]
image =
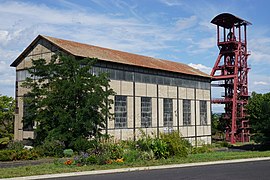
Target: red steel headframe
[(231, 72)]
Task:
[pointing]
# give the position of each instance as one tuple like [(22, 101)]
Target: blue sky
[(177, 30)]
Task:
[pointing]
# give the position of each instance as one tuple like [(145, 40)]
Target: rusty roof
[(228, 20), (105, 54)]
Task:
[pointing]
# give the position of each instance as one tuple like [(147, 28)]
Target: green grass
[(54, 168)]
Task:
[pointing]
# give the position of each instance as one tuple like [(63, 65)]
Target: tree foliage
[(7, 105), (218, 127), (259, 110), (66, 101)]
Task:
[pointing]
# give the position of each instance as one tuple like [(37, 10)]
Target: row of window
[(124, 75), (116, 74), (120, 112)]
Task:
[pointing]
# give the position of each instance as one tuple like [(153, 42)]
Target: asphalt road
[(257, 170)]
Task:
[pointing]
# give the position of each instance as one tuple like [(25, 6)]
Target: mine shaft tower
[(231, 72)]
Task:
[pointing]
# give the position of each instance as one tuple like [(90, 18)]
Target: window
[(146, 112), (22, 75), (120, 111), (186, 112), (168, 112), (27, 125), (203, 112)]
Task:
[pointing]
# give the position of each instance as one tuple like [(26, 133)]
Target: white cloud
[(186, 23), (260, 49), (201, 67), (207, 43), (260, 83), (172, 2)]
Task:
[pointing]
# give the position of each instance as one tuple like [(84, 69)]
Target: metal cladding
[(105, 54), (231, 70)]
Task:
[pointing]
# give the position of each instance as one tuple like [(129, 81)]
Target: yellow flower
[(119, 160)]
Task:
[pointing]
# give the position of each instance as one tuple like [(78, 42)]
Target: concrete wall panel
[(140, 89), (151, 90), (172, 91), (126, 88), (154, 112), (130, 112), (182, 93), (190, 93), (163, 91), (115, 85)]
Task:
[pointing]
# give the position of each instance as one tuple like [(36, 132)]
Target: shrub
[(4, 142), (104, 158), (81, 158), (92, 159), (82, 144), (147, 155), (68, 152), (131, 155), (177, 146), (159, 148), (15, 145), (11, 155), (144, 142), (52, 148), (116, 151), (7, 155)]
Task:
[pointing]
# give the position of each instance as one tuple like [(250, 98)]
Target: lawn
[(59, 167)]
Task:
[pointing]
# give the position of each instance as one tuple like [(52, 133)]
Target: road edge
[(109, 171)]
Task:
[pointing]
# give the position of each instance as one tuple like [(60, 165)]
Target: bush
[(4, 142), (159, 148), (7, 155), (131, 155), (104, 158), (53, 148), (68, 152), (82, 144), (12, 155), (81, 158), (15, 145), (147, 155), (92, 159), (116, 151), (144, 144), (177, 146)]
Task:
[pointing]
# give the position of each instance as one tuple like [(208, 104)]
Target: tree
[(66, 101), (7, 105), (259, 110), (218, 127)]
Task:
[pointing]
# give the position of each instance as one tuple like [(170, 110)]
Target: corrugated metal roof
[(85, 50)]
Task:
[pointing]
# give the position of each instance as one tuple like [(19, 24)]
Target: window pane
[(120, 111), (146, 112), (167, 112), (203, 112), (186, 112)]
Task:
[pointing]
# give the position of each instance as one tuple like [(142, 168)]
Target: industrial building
[(153, 95)]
